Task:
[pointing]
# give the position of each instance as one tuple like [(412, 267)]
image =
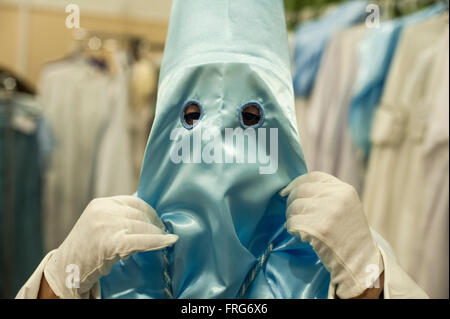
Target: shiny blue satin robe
[(229, 217)]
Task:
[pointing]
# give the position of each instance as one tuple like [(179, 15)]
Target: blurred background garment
[(86, 135), (309, 42), (101, 118), (143, 83), (327, 127), (396, 163), (114, 157), (311, 39), (25, 141), (377, 118), (86, 107), (434, 223), (78, 115), (376, 51)]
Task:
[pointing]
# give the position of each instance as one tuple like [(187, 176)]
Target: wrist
[(375, 292), (45, 291), (63, 275)]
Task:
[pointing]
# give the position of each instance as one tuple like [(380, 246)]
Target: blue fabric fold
[(229, 216)]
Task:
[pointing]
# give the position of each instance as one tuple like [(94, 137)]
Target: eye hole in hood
[(251, 115), (191, 114)]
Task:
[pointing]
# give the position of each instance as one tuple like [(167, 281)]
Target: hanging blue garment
[(311, 39), (222, 56), (376, 51), (21, 248)]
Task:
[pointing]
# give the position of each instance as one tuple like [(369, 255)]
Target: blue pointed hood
[(215, 182)]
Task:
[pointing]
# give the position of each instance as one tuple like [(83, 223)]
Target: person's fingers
[(312, 177), (295, 224), (129, 200), (306, 178), (321, 177), (135, 214), (133, 243), (304, 206), (139, 204), (305, 190), (297, 227), (132, 226), (154, 218), (293, 195), (294, 184)]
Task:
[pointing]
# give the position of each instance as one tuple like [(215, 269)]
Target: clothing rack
[(100, 45), (302, 11), (398, 8), (96, 40)]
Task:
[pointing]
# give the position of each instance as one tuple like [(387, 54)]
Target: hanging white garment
[(143, 86), (77, 113), (87, 111), (409, 175), (113, 173), (433, 267), (301, 113), (315, 113), (393, 195), (332, 149), (338, 153)]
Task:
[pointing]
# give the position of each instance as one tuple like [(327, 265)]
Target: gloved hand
[(108, 230), (328, 214)]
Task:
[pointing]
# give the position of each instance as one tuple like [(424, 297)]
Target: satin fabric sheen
[(222, 54)]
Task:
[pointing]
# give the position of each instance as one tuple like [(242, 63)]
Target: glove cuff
[(64, 279), (352, 272), (356, 279)]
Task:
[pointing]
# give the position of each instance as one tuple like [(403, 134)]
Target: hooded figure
[(223, 144)]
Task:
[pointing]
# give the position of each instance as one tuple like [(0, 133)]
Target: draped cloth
[(229, 216)]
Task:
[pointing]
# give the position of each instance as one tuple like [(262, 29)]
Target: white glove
[(108, 230), (328, 214)]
